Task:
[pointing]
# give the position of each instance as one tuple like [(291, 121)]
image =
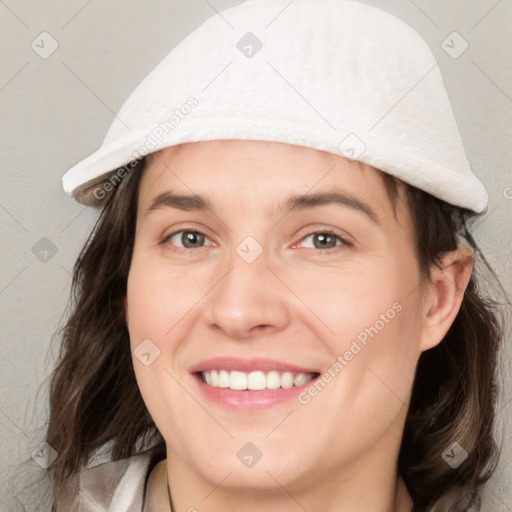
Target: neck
[(384, 494)]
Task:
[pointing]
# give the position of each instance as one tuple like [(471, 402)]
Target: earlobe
[(444, 295)]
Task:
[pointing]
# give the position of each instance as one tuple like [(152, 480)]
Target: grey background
[(56, 110)]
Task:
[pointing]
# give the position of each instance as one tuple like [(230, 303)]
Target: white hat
[(334, 75)]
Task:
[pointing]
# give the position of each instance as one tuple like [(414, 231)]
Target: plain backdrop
[(55, 110)]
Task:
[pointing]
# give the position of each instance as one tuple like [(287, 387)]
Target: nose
[(248, 301)]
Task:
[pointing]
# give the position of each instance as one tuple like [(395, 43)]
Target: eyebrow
[(190, 202)]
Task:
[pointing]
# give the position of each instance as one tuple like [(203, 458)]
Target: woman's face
[(244, 283)]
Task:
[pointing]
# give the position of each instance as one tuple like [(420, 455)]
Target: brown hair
[(94, 397), (455, 389)]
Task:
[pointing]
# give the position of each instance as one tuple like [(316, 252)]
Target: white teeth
[(300, 379), (237, 380), (287, 380), (255, 381), (223, 381), (273, 380)]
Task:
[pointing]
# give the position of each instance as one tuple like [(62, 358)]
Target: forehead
[(257, 171)]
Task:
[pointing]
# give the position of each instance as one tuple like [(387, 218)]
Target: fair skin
[(299, 303)]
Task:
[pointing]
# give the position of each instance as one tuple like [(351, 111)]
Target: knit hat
[(333, 75)]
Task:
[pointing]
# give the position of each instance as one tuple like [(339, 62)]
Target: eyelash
[(342, 239)]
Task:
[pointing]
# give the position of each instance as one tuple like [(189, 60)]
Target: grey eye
[(324, 240), (187, 239)]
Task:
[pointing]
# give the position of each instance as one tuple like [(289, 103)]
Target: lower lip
[(249, 400)]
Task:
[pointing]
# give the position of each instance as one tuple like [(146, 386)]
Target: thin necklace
[(171, 506)]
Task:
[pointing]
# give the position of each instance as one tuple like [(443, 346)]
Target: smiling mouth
[(256, 380)]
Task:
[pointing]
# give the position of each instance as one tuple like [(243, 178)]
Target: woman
[(278, 307)]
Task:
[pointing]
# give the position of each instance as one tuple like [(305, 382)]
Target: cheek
[(146, 327), (362, 300), (158, 299), (373, 361), (159, 303), (371, 326)]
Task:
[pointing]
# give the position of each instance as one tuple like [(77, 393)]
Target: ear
[(443, 295)]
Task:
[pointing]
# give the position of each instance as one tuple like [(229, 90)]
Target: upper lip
[(247, 365)]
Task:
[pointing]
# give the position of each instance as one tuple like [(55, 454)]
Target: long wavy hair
[(94, 398)]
